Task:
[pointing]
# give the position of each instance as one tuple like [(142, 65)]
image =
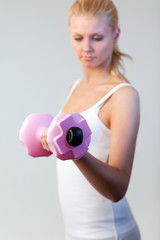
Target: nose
[(87, 45)]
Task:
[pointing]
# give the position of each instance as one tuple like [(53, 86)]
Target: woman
[(92, 189)]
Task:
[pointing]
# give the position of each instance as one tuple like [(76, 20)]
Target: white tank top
[(87, 214)]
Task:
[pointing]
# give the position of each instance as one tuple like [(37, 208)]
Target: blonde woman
[(92, 189)]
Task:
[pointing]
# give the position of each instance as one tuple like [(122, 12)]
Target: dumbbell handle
[(74, 136)]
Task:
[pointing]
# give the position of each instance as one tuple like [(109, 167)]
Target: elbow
[(118, 195), (117, 198), (120, 190)]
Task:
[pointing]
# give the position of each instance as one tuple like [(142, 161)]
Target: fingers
[(44, 140)]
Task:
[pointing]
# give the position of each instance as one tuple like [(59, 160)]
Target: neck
[(94, 76)]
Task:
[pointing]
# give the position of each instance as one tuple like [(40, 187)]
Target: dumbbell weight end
[(30, 134)]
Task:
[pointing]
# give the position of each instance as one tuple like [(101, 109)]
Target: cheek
[(75, 48), (106, 50)]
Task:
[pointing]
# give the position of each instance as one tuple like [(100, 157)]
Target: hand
[(44, 140)]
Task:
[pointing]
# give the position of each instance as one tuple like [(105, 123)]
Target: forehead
[(89, 24)]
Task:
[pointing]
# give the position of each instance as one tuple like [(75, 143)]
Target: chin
[(89, 64), (93, 64)]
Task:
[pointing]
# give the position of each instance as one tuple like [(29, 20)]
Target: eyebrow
[(96, 33)]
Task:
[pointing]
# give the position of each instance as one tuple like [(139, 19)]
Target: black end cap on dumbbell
[(74, 136)]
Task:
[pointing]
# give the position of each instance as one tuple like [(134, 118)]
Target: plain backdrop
[(37, 66)]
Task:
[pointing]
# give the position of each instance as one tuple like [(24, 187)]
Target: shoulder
[(73, 85), (126, 95), (125, 104), (70, 87)]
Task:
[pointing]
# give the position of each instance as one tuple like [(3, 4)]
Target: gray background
[(37, 65)]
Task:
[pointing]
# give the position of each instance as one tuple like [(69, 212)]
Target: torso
[(83, 98), (112, 220)]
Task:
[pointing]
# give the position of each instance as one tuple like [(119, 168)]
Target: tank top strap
[(110, 93), (72, 89)]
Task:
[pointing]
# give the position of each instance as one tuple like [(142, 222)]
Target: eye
[(97, 38), (78, 38)]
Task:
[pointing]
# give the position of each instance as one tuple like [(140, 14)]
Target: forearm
[(107, 180)]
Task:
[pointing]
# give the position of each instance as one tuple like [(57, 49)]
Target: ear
[(116, 35)]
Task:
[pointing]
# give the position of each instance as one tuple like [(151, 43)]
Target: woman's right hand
[(44, 140)]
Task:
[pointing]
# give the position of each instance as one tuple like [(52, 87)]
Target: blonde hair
[(99, 7)]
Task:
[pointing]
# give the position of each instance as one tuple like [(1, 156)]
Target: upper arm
[(125, 117)]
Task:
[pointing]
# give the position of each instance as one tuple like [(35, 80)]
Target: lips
[(88, 58)]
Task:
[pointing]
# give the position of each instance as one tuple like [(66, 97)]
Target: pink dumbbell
[(68, 135)]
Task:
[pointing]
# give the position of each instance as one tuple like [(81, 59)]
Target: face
[(92, 40)]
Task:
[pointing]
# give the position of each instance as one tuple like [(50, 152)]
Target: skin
[(93, 41)]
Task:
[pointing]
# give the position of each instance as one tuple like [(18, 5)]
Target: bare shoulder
[(126, 96), (74, 85), (125, 114), (70, 87), (125, 107)]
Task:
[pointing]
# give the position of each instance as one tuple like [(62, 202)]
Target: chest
[(80, 101)]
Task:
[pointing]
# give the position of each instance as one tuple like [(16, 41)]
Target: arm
[(111, 179)]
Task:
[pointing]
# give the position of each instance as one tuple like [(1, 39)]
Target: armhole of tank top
[(100, 103)]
